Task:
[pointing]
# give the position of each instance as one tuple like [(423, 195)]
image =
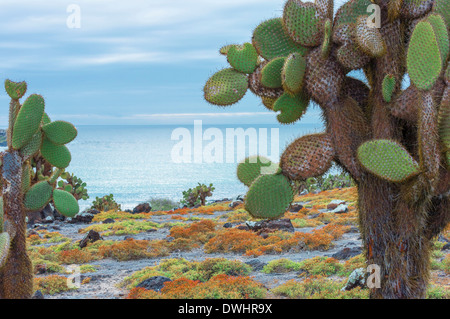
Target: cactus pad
[(326, 44), (258, 88), (60, 132), (38, 196), (251, 168), (442, 7), (33, 146), (412, 9), (28, 121), (15, 90), (271, 73), (308, 156), (5, 243), (224, 50), (369, 39), (271, 40), (293, 73), (269, 196), (424, 59), (226, 87), (444, 120), (350, 11), (268, 102), (291, 107), (388, 159), (440, 29), (388, 87), (243, 58), (65, 203), (46, 119), (325, 8), (57, 155), (303, 23)]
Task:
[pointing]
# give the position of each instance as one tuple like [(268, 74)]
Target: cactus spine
[(30, 167), (394, 143)]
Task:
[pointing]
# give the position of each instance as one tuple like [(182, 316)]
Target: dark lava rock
[(235, 204), (155, 283), (227, 225), (83, 217), (313, 216), (256, 264), (91, 237), (273, 225), (347, 253), (108, 221), (142, 208)]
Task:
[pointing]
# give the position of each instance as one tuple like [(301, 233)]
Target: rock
[(347, 253), (155, 283), (83, 217), (334, 204), (446, 246), (38, 295), (313, 216), (240, 197), (48, 220), (341, 209), (227, 225), (40, 269), (304, 192), (91, 237), (317, 191), (108, 221), (353, 230), (34, 218), (256, 264), (142, 208), (272, 225), (169, 239), (32, 232), (242, 227), (356, 279), (234, 204), (295, 208), (93, 211)]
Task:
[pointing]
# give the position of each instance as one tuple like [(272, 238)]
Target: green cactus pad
[(442, 7), (65, 203), (46, 119), (28, 121), (26, 178), (440, 29), (226, 87), (15, 90), (57, 155), (369, 39), (243, 58), (269, 196), (271, 73), (351, 10), (388, 87), (388, 160), (326, 44), (224, 50), (60, 132), (5, 243), (33, 146), (293, 73), (38, 196), (250, 169), (268, 102), (303, 23), (271, 40), (292, 107), (424, 59)]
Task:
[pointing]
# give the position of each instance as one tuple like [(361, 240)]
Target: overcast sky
[(130, 62)]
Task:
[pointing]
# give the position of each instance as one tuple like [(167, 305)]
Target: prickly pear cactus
[(394, 143), (30, 167)]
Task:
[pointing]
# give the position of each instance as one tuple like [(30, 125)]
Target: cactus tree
[(394, 142), (30, 167)]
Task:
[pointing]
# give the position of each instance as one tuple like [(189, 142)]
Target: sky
[(139, 62)]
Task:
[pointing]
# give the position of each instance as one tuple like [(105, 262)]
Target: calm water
[(135, 164)]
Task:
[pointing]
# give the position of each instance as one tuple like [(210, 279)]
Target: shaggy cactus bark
[(29, 168), (394, 143)]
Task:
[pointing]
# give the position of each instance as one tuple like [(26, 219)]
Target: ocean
[(136, 163)]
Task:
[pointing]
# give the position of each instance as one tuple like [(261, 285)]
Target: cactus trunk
[(16, 276), (393, 238)]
